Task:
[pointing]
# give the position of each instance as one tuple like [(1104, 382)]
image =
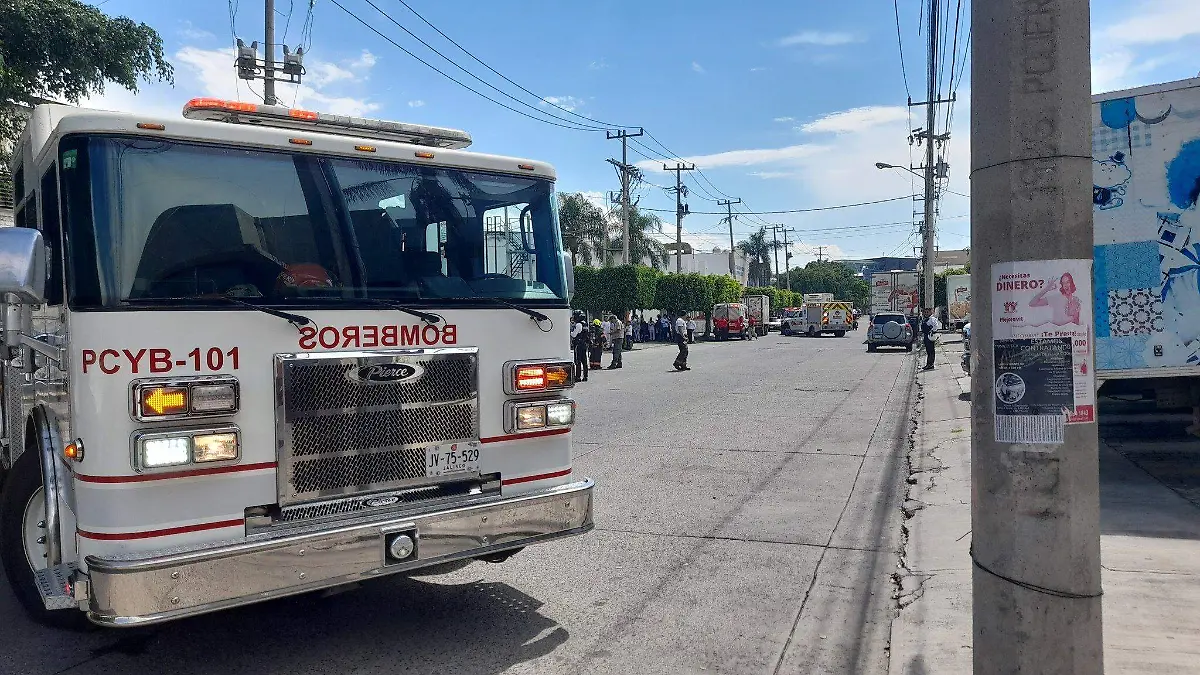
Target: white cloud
[(784, 119), (1152, 22), (600, 64), (193, 34), (856, 119), (767, 175), (210, 72), (820, 38), (757, 69), (564, 102), (416, 103), (744, 157), (698, 68), (365, 61)]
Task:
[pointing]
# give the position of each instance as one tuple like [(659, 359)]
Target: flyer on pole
[(1042, 348)]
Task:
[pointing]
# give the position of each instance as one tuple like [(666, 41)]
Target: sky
[(785, 105)]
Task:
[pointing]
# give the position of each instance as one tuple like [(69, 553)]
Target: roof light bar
[(280, 117)]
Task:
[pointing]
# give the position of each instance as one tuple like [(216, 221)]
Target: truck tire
[(839, 333), (870, 348), (812, 332), (908, 347), (19, 511)]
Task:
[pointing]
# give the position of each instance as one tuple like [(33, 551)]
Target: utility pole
[(787, 260), (249, 65), (775, 249), (681, 209), (728, 204), (625, 169), (1035, 504), (821, 253), (930, 189), (269, 68)]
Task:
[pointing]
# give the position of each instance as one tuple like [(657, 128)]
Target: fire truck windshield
[(150, 218)]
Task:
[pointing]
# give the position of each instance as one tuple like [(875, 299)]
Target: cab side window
[(51, 227)]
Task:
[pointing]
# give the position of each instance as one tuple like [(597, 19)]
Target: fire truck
[(260, 351)]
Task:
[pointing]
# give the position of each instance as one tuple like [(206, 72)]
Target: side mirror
[(22, 265), (568, 267)]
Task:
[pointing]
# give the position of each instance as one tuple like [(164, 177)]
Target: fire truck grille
[(347, 425)]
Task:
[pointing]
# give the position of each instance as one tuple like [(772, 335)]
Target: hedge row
[(629, 287)]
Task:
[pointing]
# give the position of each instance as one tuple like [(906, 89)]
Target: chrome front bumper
[(162, 586)]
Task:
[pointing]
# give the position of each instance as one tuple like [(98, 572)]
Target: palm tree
[(643, 247), (584, 228), (758, 251)]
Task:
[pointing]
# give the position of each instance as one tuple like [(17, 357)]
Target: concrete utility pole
[(787, 260), (269, 69), (775, 249), (624, 167), (728, 204), (680, 209), (928, 239), (821, 253), (1035, 507)]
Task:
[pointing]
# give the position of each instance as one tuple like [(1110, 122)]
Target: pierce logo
[(376, 502), (384, 373)]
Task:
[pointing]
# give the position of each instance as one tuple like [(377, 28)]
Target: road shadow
[(387, 625)]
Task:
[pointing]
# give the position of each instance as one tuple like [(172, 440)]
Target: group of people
[(590, 341)]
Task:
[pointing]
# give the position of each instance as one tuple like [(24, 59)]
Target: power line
[(288, 24), (900, 44), (450, 77), (581, 126), (766, 213), (506, 79)]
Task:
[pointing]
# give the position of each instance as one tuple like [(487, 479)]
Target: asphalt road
[(747, 520)]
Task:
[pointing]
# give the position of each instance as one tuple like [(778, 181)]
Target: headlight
[(166, 451), (538, 415), (156, 450), (215, 447), (180, 398)]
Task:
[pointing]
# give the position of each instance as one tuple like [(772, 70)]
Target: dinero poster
[(1042, 348)]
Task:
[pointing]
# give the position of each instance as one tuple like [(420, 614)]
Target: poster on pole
[(1042, 348)]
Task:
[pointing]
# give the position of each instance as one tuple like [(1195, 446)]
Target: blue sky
[(786, 104)]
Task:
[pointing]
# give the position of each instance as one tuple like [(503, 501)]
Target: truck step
[(54, 583)]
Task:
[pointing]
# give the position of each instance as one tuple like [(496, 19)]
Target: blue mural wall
[(1146, 182)]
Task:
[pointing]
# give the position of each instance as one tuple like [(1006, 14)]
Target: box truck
[(958, 300), (1146, 179)]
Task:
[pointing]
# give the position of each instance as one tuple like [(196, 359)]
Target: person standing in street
[(928, 327), (681, 341), (691, 331), (629, 333), (597, 345), (616, 332), (581, 342)]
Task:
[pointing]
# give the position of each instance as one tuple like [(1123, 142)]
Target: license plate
[(445, 460)]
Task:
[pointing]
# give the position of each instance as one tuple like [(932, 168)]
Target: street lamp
[(882, 165)]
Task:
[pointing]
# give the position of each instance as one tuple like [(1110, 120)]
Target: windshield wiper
[(427, 317), (533, 314), (296, 320)]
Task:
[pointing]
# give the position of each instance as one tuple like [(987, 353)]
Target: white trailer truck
[(958, 300), (1146, 180)]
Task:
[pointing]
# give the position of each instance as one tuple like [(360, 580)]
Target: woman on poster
[(1064, 304)]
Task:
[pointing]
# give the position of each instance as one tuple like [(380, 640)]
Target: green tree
[(584, 228), (588, 296), (643, 247), (67, 50), (758, 252), (831, 277)]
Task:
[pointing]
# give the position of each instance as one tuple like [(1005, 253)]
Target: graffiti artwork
[(1146, 183)]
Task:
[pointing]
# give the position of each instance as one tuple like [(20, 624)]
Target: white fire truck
[(260, 351)]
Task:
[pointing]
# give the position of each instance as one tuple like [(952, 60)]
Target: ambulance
[(261, 351)]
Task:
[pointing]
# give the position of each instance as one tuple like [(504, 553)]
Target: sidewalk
[(1150, 548)]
